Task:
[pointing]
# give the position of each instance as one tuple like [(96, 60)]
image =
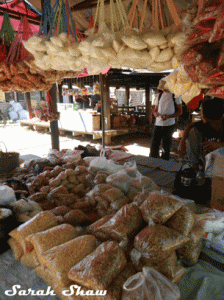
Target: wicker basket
[(8, 161)]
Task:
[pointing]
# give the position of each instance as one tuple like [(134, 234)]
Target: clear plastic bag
[(158, 242), (124, 224), (189, 254), (103, 163), (98, 269), (159, 207), (120, 180), (149, 284), (182, 221)]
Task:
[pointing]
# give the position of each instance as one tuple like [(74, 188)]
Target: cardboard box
[(217, 200)]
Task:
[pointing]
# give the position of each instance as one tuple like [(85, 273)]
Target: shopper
[(207, 135), (164, 111)]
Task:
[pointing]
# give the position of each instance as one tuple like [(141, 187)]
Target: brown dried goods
[(182, 221), (60, 259), (114, 290), (46, 205), (100, 268), (113, 194), (58, 235), (190, 254), (38, 197), (159, 208), (84, 206), (43, 221), (124, 224), (76, 217), (196, 234), (158, 242), (60, 210), (140, 198), (93, 228), (180, 271), (64, 199)]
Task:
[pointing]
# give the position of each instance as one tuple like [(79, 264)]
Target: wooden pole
[(28, 104), (147, 102), (54, 124), (70, 87), (127, 95), (60, 93), (102, 108)]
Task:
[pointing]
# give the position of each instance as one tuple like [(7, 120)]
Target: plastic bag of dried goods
[(100, 268), (212, 222), (180, 271), (158, 242), (143, 182), (131, 169), (60, 259), (187, 202), (120, 180), (149, 284), (105, 164), (114, 290), (141, 197), (182, 221), (159, 207), (189, 254), (113, 194), (167, 266), (124, 224), (42, 221), (45, 240), (93, 228)]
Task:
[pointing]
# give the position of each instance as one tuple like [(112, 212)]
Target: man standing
[(164, 111)]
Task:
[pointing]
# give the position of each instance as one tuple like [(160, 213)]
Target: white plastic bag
[(7, 195), (209, 161), (149, 284), (102, 162), (218, 243)]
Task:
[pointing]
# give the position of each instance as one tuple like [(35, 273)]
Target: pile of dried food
[(66, 241)]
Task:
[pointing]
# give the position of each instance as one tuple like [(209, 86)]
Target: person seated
[(204, 136)]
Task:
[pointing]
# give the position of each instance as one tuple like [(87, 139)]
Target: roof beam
[(86, 5), (16, 15)]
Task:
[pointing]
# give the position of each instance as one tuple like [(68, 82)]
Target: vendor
[(83, 101), (94, 100), (207, 135)]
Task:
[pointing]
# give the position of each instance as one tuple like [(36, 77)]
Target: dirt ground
[(31, 143)]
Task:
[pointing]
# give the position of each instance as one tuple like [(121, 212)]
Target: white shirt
[(166, 107)]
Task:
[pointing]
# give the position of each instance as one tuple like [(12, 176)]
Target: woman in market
[(204, 136)]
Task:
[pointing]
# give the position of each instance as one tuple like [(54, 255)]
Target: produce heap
[(92, 214)]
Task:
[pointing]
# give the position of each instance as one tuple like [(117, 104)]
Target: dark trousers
[(161, 134)]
